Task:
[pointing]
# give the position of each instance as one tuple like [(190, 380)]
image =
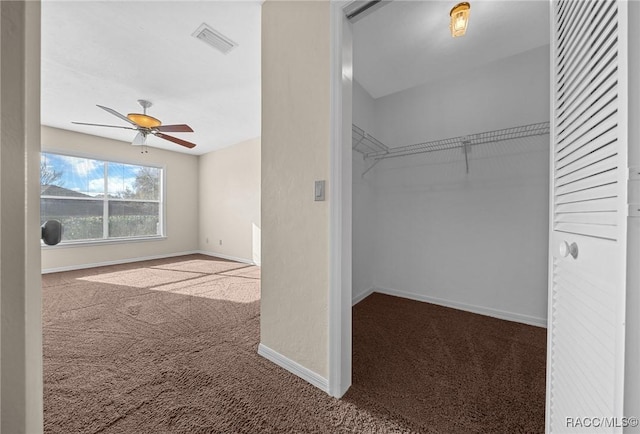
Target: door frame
[(340, 204)]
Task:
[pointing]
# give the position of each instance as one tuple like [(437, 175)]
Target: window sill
[(90, 243)]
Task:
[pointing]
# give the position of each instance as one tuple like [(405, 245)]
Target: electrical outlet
[(206, 240), (220, 242)]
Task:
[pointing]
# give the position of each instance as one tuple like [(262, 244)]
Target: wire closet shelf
[(372, 148)]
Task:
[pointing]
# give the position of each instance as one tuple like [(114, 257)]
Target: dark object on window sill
[(51, 232)]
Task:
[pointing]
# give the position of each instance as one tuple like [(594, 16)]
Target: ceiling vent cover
[(214, 38)]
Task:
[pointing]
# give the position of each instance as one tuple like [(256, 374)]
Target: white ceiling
[(408, 43), (113, 53)]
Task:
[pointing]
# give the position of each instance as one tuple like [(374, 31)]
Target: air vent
[(214, 38)]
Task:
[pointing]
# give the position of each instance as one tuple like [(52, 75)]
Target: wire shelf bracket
[(367, 144)]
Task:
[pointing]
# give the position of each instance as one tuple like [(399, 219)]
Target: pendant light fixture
[(459, 19)]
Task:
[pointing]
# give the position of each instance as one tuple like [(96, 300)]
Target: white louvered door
[(585, 367)]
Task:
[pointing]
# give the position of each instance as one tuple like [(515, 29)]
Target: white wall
[(229, 201), (363, 109), (502, 94), (476, 241), (181, 201), (364, 227), (295, 152)]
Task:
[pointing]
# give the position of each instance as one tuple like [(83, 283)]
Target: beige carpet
[(170, 346)]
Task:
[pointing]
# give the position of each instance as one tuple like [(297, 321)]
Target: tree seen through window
[(97, 199)]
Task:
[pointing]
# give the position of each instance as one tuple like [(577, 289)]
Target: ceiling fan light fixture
[(140, 139), (144, 120), (145, 125), (459, 19)]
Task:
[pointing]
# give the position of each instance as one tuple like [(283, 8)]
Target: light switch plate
[(319, 191)]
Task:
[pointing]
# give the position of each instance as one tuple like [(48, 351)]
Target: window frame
[(105, 200)]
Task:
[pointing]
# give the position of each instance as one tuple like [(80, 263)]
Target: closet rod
[(372, 148)]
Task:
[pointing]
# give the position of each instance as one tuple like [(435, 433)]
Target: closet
[(451, 167), (451, 190)]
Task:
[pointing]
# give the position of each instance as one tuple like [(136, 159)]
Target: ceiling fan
[(145, 125)]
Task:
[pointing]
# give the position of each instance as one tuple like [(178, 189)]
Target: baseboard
[(116, 262), (482, 310), (229, 257), (144, 258), (294, 367), (364, 294)]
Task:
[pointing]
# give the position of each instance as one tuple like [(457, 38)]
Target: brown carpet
[(170, 346)]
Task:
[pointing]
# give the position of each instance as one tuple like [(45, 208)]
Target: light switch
[(319, 191)]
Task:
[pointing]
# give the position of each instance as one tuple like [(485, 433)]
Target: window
[(100, 200)]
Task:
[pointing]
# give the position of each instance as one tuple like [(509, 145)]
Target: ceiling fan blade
[(102, 125), (140, 139), (176, 140), (178, 128), (115, 113)]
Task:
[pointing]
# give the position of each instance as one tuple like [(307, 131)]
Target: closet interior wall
[(424, 228), (363, 199)]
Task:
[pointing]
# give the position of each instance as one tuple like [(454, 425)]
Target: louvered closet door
[(589, 203)]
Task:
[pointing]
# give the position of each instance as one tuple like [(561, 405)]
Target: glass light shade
[(459, 19), (145, 121)]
